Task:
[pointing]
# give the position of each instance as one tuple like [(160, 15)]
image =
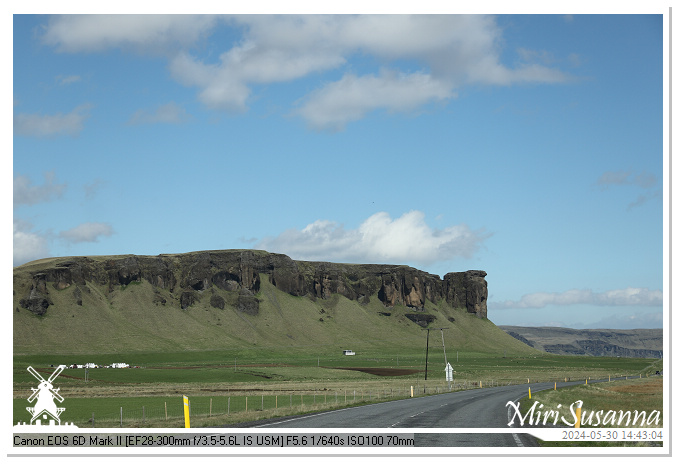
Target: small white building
[(120, 365), (348, 353)]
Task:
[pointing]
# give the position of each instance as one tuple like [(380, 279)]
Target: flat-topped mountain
[(239, 297), (185, 275)]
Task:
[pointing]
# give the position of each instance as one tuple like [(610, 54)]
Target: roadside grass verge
[(222, 408), (604, 405)]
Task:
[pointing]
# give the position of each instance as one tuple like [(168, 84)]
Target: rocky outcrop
[(521, 338), (37, 300), (189, 275), (422, 320), (467, 290)]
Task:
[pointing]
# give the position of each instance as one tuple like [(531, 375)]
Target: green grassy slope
[(129, 320)]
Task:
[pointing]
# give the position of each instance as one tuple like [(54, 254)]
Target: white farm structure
[(96, 366)]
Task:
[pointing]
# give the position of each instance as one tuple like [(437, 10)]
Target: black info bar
[(280, 440)]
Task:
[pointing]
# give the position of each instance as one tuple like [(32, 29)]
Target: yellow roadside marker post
[(187, 423), (529, 397)]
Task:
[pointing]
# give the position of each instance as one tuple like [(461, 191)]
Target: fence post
[(228, 406), (143, 415), (166, 410), (92, 419), (121, 416), (210, 413)]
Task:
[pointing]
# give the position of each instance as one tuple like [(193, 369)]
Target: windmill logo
[(45, 407)]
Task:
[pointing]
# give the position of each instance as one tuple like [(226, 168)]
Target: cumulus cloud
[(441, 52), (170, 113), (447, 51), (379, 239), (46, 125), (156, 33), (27, 194), (26, 244), (352, 97), (622, 297), (87, 232)]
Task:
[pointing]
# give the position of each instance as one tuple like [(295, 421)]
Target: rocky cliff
[(187, 276), (635, 343)]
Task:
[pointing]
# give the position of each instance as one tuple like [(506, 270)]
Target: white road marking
[(516, 437)]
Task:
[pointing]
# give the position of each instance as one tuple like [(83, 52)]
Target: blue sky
[(529, 146)]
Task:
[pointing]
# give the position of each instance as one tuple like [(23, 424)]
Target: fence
[(204, 406), (158, 410)]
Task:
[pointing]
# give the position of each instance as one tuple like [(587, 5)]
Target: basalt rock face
[(189, 275)]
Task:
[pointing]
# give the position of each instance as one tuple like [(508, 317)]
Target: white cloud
[(170, 113), (87, 232), (27, 194), (441, 53), (623, 297), (640, 180), (352, 97), (379, 239), (91, 33), (39, 125), (27, 245)]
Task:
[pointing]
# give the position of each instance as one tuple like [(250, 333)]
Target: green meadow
[(219, 383)]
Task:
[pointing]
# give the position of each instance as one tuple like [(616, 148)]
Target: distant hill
[(637, 343), (242, 299)]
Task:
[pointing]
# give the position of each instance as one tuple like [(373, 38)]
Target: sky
[(528, 146)]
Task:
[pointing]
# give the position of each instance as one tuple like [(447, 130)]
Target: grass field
[(220, 382)]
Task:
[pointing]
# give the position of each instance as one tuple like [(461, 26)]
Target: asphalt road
[(479, 408)]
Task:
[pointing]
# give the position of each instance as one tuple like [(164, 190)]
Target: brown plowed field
[(382, 371)]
